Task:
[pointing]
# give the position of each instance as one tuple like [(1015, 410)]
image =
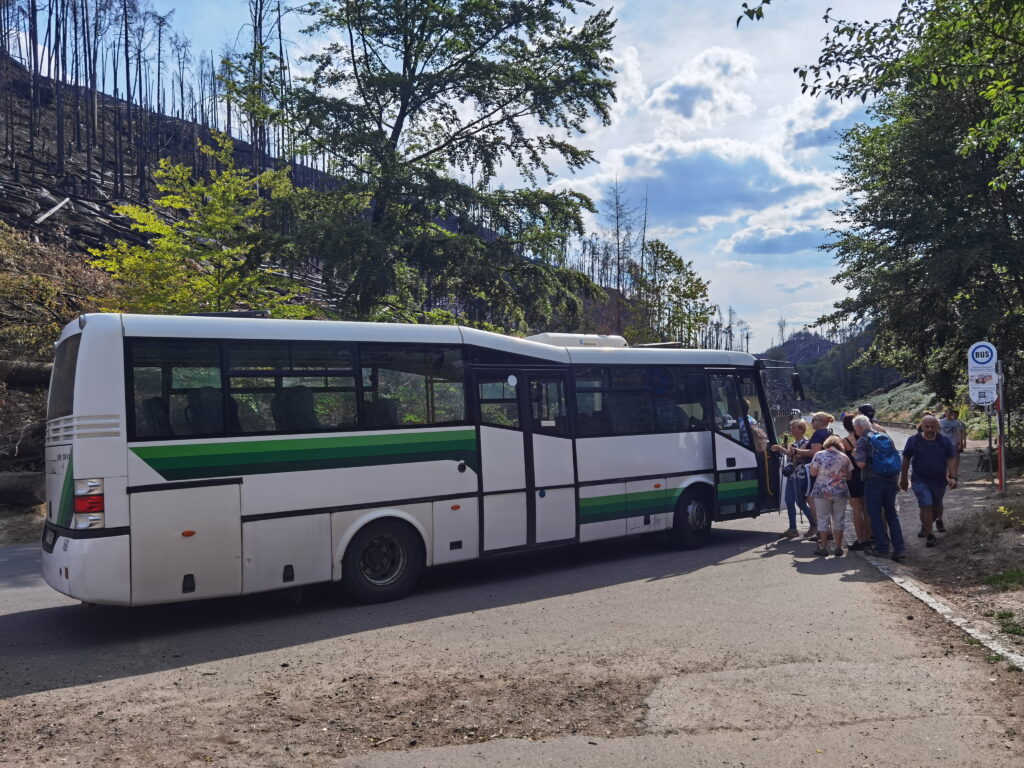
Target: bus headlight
[(88, 504)]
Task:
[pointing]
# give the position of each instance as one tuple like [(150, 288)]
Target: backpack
[(885, 459)]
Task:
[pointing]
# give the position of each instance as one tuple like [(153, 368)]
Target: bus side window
[(290, 387), (728, 408), (174, 388), (683, 409), (412, 386)]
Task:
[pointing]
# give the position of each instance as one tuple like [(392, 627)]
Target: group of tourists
[(864, 470)]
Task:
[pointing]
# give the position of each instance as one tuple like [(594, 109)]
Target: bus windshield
[(62, 388)]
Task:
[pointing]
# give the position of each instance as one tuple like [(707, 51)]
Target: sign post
[(985, 388), (1002, 433)]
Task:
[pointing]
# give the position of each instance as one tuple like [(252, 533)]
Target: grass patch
[(1011, 627), (987, 547), (973, 640), (1003, 615), (1013, 579), (993, 658), (1012, 668)]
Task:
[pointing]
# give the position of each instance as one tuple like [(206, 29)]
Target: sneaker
[(940, 526), (839, 552), (812, 533), (821, 552), (878, 552), (921, 534), (899, 556), (931, 540), (858, 546), (791, 533)]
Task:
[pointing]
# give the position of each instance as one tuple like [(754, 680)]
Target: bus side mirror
[(798, 387)]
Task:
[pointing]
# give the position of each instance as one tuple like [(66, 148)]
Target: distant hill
[(838, 377), (801, 347)]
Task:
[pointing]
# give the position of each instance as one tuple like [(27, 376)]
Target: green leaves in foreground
[(215, 257)]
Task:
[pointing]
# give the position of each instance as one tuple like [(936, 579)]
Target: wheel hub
[(382, 560)]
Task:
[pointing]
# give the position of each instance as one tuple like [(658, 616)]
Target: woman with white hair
[(815, 443), (831, 468)]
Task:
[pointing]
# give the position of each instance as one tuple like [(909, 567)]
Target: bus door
[(769, 463), (737, 435), (526, 458)]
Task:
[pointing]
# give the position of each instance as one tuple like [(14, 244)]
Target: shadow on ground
[(56, 647)]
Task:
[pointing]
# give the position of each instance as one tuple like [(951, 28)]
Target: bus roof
[(245, 328)]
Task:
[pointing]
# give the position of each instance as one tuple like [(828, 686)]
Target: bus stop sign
[(982, 379)]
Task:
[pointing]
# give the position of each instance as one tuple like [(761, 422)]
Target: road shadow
[(57, 647), (806, 562)]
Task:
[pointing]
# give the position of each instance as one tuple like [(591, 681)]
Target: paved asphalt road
[(749, 652)]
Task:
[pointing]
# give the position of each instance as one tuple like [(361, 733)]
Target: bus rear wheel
[(691, 524), (382, 562)]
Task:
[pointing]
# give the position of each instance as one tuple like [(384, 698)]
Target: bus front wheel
[(691, 524), (382, 562)]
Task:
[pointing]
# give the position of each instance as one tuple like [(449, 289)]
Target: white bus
[(196, 457)]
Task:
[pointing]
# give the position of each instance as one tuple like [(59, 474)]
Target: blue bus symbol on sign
[(983, 354)]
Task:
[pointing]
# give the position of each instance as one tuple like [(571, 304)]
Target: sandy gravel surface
[(750, 651)]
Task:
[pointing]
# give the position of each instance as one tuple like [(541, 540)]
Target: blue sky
[(710, 123)]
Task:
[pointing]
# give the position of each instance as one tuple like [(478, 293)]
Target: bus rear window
[(62, 384)]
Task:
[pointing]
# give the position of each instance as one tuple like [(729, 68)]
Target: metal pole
[(1002, 434), (988, 410)]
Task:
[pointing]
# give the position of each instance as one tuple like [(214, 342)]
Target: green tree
[(672, 303), (417, 106), (975, 46), (42, 287), (212, 255), (928, 249)]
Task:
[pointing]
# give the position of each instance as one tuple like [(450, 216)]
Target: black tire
[(383, 561), (691, 524)]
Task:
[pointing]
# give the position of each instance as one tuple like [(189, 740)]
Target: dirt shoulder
[(21, 525), (981, 542)]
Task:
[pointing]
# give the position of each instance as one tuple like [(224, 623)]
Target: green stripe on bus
[(741, 489), (66, 508), (621, 505), (187, 461)]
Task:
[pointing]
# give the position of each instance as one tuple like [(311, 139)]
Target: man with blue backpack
[(880, 462)]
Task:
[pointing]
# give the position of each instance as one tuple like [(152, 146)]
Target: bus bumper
[(87, 567)]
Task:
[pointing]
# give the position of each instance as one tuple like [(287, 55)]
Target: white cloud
[(706, 92)]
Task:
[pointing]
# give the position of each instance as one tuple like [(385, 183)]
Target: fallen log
[(22, 489), (25, 373)]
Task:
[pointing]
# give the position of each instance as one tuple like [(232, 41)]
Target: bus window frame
[(226, 433)]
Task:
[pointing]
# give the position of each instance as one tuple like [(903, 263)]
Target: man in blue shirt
[(934, 459)]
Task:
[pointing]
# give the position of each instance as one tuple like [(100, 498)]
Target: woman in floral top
[(831, 468)]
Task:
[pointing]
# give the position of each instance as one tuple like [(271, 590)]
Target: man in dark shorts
[(933, 458)]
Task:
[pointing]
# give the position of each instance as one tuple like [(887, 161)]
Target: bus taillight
[(88, 503)]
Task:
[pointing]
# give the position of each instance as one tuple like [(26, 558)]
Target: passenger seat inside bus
[(204, 414), (293, 410), (155, 420), (381, 413)]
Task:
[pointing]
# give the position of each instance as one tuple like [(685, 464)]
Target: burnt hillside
[(101, 162)]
